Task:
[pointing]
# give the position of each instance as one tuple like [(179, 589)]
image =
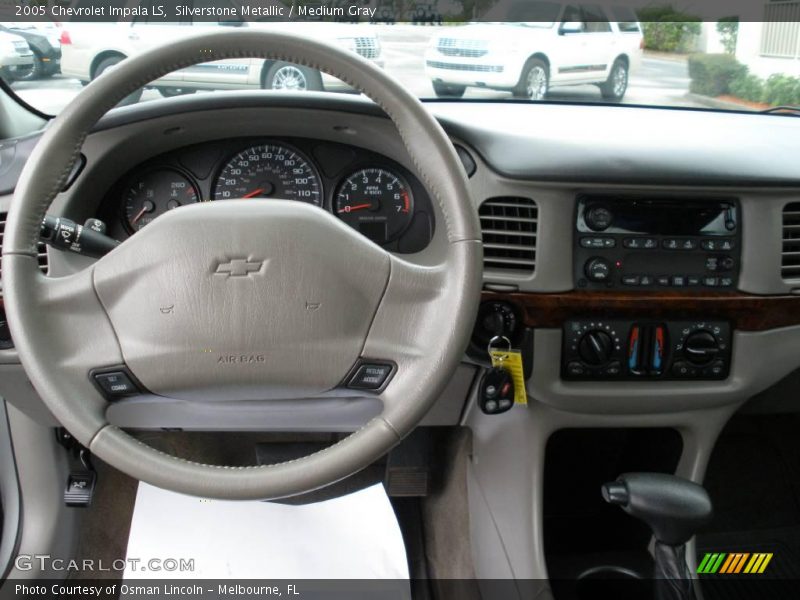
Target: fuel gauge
[(153, 193)]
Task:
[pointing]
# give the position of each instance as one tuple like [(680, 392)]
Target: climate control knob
[(701, 347), (595, 347), (597, 269)]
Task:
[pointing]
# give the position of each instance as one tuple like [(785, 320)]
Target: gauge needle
[(356, 207), (254, 193), (143, 212)]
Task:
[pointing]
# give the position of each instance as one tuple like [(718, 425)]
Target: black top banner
[(437, 12)]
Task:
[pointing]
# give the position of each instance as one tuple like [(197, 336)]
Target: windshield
[(534, 51)]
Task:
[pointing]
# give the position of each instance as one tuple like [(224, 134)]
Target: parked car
[(16, 56), (89, 49), (425, 13), (576, 45), (44, 40)]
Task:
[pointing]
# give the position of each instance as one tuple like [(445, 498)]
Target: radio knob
[(598, 218), (595, 347), (597, 269), (701, 347)]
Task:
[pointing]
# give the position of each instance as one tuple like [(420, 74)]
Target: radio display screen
[(662, 216)]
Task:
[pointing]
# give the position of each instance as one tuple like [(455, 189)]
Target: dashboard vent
[(790, 253), (41, 247), (509, 227)]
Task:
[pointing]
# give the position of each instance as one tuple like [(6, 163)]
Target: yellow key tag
[(511, 361)]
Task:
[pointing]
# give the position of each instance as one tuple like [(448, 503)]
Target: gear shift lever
[(674, 509)]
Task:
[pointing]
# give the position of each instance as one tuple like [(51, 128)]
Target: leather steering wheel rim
[(64, 327)]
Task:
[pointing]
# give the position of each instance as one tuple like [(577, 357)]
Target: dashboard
[(668, 330), (368, 191)]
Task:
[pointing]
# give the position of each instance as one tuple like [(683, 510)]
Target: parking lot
[(658, 81)]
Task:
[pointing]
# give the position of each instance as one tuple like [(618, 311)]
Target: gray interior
[(521, 152)]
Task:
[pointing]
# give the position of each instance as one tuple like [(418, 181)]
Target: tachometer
[(269, 171), (154, 193), (376, 202)]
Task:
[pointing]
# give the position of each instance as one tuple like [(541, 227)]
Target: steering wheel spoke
[(415, 327)]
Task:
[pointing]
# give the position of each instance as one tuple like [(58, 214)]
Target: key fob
[(496, 394)]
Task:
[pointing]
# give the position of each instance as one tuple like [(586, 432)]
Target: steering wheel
[(315, 299)]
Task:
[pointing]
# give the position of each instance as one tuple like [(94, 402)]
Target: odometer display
[(376, 202), (269, 171)]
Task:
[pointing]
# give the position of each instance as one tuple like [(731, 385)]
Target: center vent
[(509, 227), (41, 249), (790, 253)]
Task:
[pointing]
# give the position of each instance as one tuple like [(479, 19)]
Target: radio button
[(630, 280), (727, 263), (717, 244), (693, 280), (678, 281), (646, 280), (725, 281), (670, 244), (598, 218), (663, 280), (711, 281), (598, 242)]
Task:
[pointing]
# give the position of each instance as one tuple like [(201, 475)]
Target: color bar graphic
[(734, 563)]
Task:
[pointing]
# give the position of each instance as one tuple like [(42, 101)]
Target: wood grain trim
[(746, 312)]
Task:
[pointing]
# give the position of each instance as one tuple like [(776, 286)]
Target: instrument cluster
[(371, 193)]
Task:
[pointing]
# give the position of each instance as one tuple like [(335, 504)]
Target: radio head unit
[(635, 242)]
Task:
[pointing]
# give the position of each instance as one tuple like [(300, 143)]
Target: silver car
[(15, 55)]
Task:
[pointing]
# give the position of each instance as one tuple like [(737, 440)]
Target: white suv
[(566, 45)]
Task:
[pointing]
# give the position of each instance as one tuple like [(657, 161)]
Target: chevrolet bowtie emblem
[(239, 267)]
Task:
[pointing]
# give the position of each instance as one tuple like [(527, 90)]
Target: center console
[(633, 243)]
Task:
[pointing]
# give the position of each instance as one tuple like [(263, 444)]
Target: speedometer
[(269, 171)]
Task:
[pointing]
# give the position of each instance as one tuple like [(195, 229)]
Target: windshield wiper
[(793, 111)]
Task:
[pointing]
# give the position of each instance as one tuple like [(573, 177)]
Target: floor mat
[(754, 482), (350, 537)]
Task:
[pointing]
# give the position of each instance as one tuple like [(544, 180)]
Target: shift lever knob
[(673, 508)]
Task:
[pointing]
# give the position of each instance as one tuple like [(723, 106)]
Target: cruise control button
[(116, 383), (370, 376)]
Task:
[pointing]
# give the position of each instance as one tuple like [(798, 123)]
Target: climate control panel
[(604, 349)]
